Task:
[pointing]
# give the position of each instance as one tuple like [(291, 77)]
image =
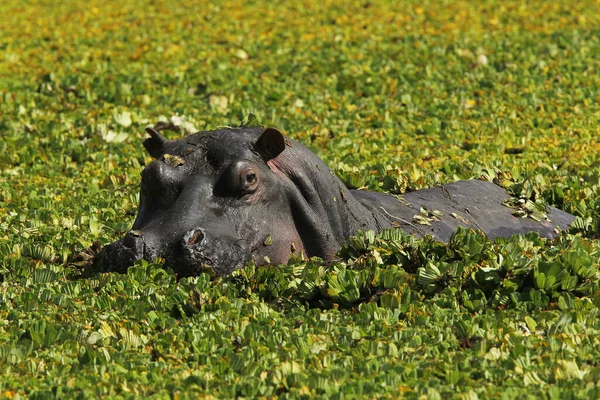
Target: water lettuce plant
[(394, 96)]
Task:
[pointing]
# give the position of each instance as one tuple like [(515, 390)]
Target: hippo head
[(221, 198)]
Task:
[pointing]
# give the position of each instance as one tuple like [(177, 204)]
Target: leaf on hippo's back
[(268, 240), (420, 219), (173, 161), (425, 217), (510, 203), (437, 214), (524, 208), (460, 218), (527, 200), (403, 201), (536, 216)]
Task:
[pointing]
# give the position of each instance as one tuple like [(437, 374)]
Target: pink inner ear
[(273, 165), (278, 167)]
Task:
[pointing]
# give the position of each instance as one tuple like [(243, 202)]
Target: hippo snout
[(222, 253), (118, 256), (195, 251)]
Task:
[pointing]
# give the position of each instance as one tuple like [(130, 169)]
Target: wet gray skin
[(219, 199)]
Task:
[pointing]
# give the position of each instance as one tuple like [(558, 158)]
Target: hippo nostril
[(194, 237)]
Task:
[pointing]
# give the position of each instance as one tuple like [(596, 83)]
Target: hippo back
[(471, 203)]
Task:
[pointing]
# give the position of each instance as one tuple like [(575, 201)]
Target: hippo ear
[(154, 144), (270, 143)]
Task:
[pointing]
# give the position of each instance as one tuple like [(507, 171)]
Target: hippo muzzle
[(195, 252), (119, 255)]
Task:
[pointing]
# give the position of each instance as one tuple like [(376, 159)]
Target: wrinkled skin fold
[(216, 200)]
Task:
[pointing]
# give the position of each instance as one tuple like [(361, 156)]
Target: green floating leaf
[(123, 118), (250, 120), (429, 275), (44, 275), (560, 325), (568, 370), (342, 286)]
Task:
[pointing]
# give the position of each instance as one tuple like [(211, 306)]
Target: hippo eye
[(250, 177), (238, 180), (249, 180)]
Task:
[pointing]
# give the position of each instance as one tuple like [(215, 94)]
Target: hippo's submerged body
[(221, 198), (471, 203)]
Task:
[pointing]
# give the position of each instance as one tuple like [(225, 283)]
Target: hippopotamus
[(216, 200)]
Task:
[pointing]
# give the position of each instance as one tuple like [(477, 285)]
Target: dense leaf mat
[(394, 96)]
